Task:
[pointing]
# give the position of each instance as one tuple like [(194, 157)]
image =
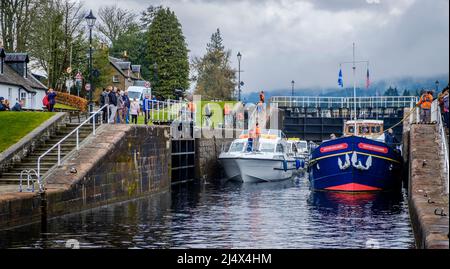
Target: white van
[(139, 92)]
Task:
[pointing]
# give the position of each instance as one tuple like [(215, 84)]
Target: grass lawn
[(66, 107), (216, 119), (15, 125)]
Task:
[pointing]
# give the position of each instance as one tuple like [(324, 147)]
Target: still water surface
[(231, 215)]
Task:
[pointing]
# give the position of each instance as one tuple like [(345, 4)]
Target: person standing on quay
[(104, 100), (146, 108), (120, 106), (112, 105), (134, 110), (425, 104), (126, 108), (262, 97), (51, 95)]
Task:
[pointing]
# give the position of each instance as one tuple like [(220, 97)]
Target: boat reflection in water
[(375, 201), (369, 220)]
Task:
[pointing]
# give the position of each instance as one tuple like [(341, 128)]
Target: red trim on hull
[(353, 187)]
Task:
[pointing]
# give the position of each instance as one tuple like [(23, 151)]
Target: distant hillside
[(413, 85)]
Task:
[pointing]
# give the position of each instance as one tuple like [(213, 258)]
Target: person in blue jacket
[(146, 108), (51, 95), (390, 139)]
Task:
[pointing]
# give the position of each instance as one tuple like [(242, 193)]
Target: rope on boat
[(404, 118)]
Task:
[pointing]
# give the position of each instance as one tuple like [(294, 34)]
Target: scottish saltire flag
[(341, 80), (368, 79)]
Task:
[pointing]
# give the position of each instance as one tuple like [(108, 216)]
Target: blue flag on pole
[(341, 80)]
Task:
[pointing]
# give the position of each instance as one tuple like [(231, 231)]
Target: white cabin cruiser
[(263, 160)]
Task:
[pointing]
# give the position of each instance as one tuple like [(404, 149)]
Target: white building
[(17, 82)]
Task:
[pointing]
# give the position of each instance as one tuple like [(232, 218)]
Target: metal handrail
[(58, 145)]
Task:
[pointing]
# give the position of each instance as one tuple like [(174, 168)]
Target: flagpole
[(354, 86), (354, 63)]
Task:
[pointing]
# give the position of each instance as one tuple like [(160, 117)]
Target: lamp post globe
[(293, 85)]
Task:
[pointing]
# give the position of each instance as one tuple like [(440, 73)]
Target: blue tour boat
[(356, 163), (360, 161)]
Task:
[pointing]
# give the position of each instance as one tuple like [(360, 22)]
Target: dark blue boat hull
[(355, 172)]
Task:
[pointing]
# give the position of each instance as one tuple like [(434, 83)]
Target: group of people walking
[(117, 106)]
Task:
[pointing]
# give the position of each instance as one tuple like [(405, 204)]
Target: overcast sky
[(304, 40)]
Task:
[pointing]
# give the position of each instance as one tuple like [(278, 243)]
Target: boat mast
[(354, 87), (354, 63)]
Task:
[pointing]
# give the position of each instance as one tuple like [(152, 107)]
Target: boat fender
[(299, 164), (285, 165), (250, 145)]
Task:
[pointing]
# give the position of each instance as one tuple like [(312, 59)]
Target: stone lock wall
[(207, 154), (119, 163), (427, 197)]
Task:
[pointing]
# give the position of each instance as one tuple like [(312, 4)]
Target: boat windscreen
[(267, 147), (237, 147), (302, 146)]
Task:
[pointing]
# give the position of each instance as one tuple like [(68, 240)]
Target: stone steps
[(12, 176)]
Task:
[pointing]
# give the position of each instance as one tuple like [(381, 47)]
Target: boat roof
[(365, 122)]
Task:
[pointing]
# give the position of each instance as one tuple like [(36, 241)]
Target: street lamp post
[(293, 85), (90, 19), (239, 56)]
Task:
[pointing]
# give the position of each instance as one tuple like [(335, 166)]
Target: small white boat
[(265, 160)]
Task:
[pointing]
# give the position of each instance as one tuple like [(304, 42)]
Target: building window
[(10, 98), (116, 79), (23, 97)]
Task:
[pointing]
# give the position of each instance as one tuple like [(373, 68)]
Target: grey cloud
[(304, 40)]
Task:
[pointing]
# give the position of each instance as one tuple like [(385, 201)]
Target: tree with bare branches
[(16, 18), (114, 22)]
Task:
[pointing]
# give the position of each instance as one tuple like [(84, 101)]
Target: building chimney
[(25, 71), (2, 59)]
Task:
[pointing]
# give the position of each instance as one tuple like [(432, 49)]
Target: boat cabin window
[(351, 129), (267, 147), (302, 146), (376, 129), (237, 147), (364, 130), (280, 148)]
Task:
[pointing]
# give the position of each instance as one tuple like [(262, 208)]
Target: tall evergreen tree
[(131, 42), (167, 54), (215, 77), (391, 92), (406, 93)]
